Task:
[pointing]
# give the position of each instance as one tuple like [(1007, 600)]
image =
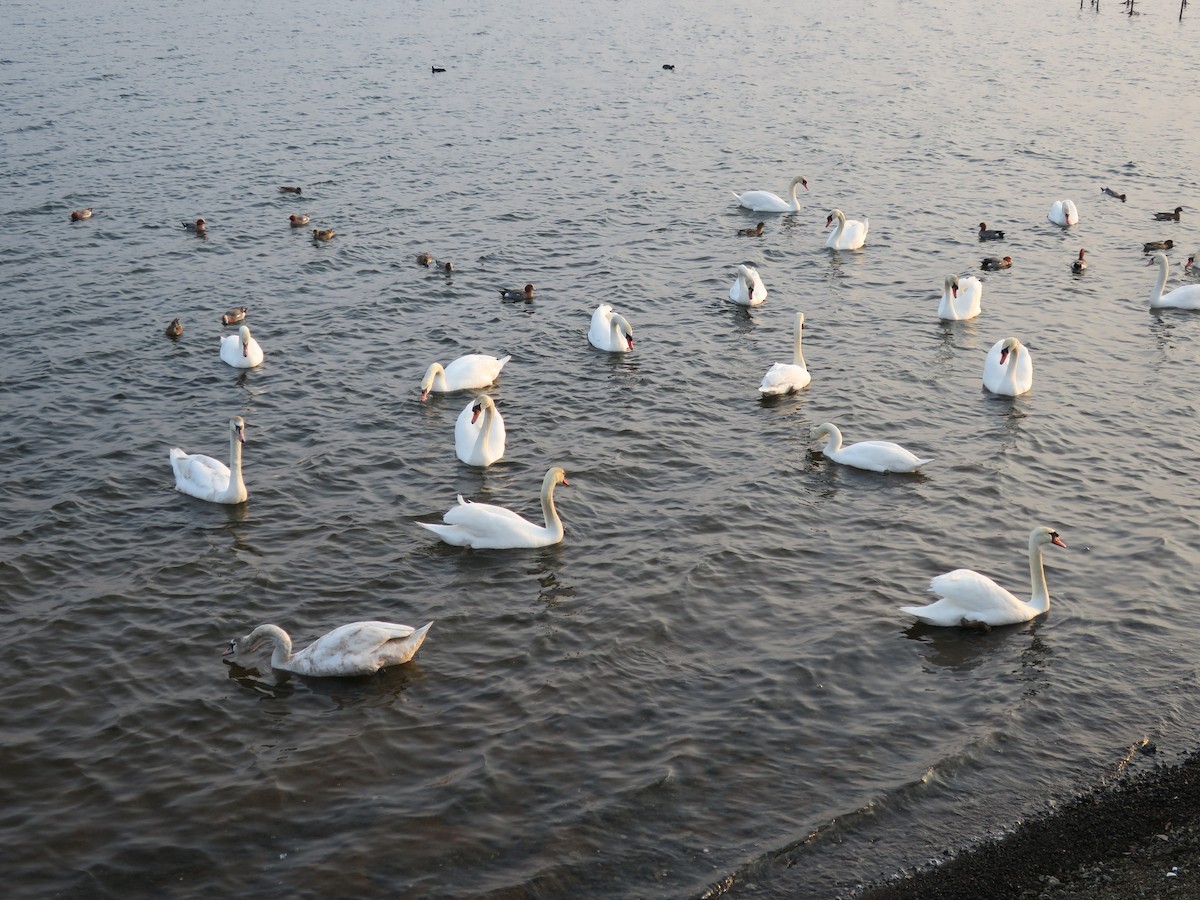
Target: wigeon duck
[(288, 189), (424, 259), (1112, 193), (753, 232), (989, 234), (995, 262), (198, 226), (1080, 264), (445, 266), (235, 315), (524, 294), (77, 214), (322, 234), (175, 329), (1151, 246), (1169, 217), (299, 221)]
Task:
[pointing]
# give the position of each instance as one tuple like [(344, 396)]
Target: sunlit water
[(708, 684)]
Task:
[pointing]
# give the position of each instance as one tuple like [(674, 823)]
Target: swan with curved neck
[(1063, 213), (787, 378), (748, 288), (210, 479), (487, 527), (360, 648), (479, 434), (974, 600), (610, 330), (850, 234), (875, 456), (1186, 296), (467, 373), (765, 201), (1008, 369), (960, 298), (241, 350)]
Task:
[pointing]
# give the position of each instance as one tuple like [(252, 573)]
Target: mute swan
[(198, 226), (1008, 368), (360, 648), (787, 378), (479, 443), (1151, 246), (299, 221), (610, 330), (1186, 296), (323, 234), (765, 201), (288, 189), (525, 293), (475, 370), (850, 234), (1063, 213), (79, 214), (992, 263), (989, 234), (756, 231), (210, 479), (971, 599), (240, 350), (1169, 216), (175, 329), (235, 315), (875, 456), (748, 289), (487, 527), (960, 298), (1080, 265), (1112, 193)]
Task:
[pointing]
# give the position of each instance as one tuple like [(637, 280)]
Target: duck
[(969, 599), (756, 231), (78, 215), (445, 265), (960, 298), (1008, 369), (483, 526), (360, 648), (748, 288), (323, 234), (299, 221), (850, 234), (1169, 216), (989, 234), (610, 330), (1080, 265), (424, 259), (1112, 193), (199, 226), (240, 350), (788, 378), (1186, 296), (210, 479), (992, 263), (290, 189), (874, 456), (474, 370), (526, 293), (175, 329), (1063, 213), (233, 316), (437, 69), (765, 201), (479, 442), (669, 67), (1151, 246)]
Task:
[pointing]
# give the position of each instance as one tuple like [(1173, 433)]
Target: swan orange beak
[(955, 289), (1003, 355), (1058, 542), (475, 410), (630, 340), (828, 221)]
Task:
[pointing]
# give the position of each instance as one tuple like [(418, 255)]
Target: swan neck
[(236, 485), (281, 654), (1040, 595), (549, 514), (833, 440), (485, 428), (1161, 282), (797, 352)]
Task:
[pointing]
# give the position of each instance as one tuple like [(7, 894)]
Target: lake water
[(708, 686)]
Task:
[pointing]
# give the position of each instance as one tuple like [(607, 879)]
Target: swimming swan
[(210, 479), (360, 648), (850, 234), (479, 442), (610, 330), (960, 298), (973, 600), (487, 527), (1186, 296), (875, 456), (240, 350), (748, 289), (1063, 213), (475, 370), (1008, 368), (787, 378), (765, 201)]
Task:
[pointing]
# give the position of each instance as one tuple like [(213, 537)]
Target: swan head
[(555, 475), (252, 641), (481, 404), (237, 427), (952, 285), (798, 180), (1043, 535), (626, 329), (822, 430), (430, 374), (836, 214), (244, 334), (1159, 259), (1009, 345)]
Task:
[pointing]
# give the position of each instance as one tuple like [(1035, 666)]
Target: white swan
[(974, 600), (479, 442), (1008, 368), (610, 330), (475, 370), (875, 456), (748, 289), (240, 350), (1063, 213), (210, 479), (960, 298), (765, 201), (787, 378), (360, 648), (850, 234), (487, 527), (1186, 296)]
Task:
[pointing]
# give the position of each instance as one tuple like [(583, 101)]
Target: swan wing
[(980, 597), (475, 370), (1186, 296), (359, 648), (198, 475), (784, 378), (879, 456), (763, 201)]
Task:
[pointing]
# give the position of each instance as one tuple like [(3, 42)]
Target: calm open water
[(707, 686)]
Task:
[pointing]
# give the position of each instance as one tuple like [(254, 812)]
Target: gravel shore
[(1139, 838)]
